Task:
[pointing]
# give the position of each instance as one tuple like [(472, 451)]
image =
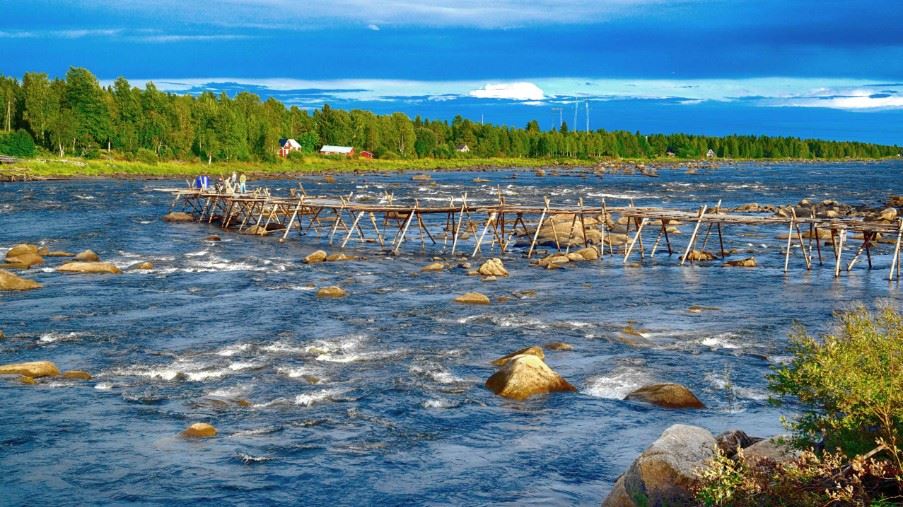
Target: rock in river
[(315, 257), (749, 262), (331, 292), (143, 265), (493, 267), (34, 369), (524, 376), (178, 216), (559, 346), (22, 248), (199, 430), (666, 471), (533, 351), (89, 267), (77, 375), (472, 298), (666, 395), (9, 281), (434, 267), (87, 256), (25, 260)]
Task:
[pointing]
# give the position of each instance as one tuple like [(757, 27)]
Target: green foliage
[(849, 383), (146, 156), (17, 144), (76, 114)]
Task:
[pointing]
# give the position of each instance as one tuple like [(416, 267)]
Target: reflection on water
[(378, 397)]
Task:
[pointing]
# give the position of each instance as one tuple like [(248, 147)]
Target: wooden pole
[(460, 221), (352, 229), (404, 231), (789, 240), (693, 236), (536, 234), (639, 230), (294, 216), (379, 236), (896, 261), (483, 234), (843, 236)]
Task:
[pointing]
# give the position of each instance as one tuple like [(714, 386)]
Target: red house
[(288, 146), (367, 155)]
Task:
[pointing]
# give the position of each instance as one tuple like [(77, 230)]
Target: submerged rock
[(666, 395), (533, 351), (143, 265), (59, 253), (89, 267), (558, 346), (199, 430), (9, 281), (664, 474), (331, 292), (178, 216), (213, 237), (336, 257), (473, 298), (33, 369), (493, 267), (87, 256), (524, 376), (77, 375), (315, 257), (432, 268), (749, 262)]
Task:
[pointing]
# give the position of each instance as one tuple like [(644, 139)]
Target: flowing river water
[(378, 397)]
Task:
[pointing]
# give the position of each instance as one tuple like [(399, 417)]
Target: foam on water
[(308, 399), (617, 384)]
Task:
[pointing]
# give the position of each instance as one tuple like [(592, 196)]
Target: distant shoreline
[(78, 168)]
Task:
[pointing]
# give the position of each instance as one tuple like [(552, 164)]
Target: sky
[(827, 69)]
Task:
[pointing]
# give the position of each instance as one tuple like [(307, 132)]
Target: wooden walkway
[(499, 224)]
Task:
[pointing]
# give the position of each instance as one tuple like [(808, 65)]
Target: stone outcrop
[(26, 248), (533, 351), (146, 265), (472, 298), (666, 395), (698, 255), (558, 346), (433, 267), (732, 440), (331, 292), (664, 473), (178, 216), (337, 257), (9, 281), (33, 369), (493, 267), (524, 376), (315, 257), (199, 430), (87, 256), (89, 267), (888, 214), (773, 448), (25, 260), (749, 262)]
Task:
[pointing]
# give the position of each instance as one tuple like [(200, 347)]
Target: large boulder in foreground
[(774, 448), (33, 369), (23, 248), (89, 267), (178, 216), (9, 281), (665, 472), (524, 376), (666, 395), (533, 351), (199, 430)]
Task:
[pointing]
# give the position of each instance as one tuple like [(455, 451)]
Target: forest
[(76, 116)]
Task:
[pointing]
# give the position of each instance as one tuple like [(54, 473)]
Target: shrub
[(146, 156), (17, 144), (849, 384)]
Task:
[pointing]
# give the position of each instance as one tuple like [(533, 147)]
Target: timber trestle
[(466, 226)]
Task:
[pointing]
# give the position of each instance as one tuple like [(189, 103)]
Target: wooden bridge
[(503, 225)]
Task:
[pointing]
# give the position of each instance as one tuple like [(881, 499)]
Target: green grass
[(72, 167)]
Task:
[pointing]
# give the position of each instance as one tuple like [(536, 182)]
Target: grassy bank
[(81, 168)]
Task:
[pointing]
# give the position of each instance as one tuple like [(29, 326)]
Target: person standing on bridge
[(242, 183)]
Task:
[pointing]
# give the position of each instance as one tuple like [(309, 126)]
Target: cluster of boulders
[(27, 372), (319, 256), (558, 259), (667, 471), (25, 256), (829, 209)]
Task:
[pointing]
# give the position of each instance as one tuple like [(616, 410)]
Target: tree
[(85, 99)]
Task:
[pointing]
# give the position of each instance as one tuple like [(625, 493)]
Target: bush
[(849, 387), (295, 156), (147, 156), (849, 384), (17, 144)]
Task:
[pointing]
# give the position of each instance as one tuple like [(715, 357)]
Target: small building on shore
[(329, 149), (287, 146), (462, 148), (710, 153)]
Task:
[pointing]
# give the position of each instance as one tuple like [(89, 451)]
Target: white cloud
[(511, 91), (373, 27)]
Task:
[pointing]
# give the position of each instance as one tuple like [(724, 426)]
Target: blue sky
[(809, 68)]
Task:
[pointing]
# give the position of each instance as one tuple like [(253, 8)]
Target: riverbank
[(71, 168)]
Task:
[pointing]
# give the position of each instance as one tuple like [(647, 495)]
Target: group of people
[(231, 185)]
